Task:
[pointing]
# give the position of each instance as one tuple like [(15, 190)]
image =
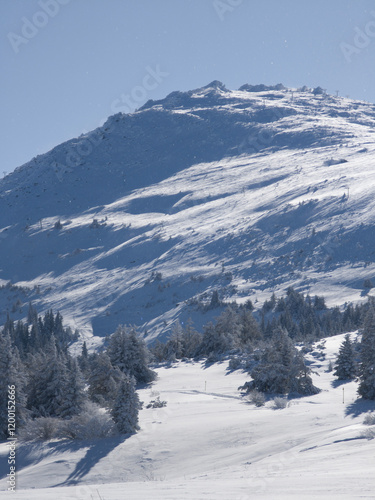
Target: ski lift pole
[(343, 395)]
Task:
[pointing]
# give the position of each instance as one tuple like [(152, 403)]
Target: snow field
[(209, 443)]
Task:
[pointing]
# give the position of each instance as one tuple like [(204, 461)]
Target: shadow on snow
[(360, 406)]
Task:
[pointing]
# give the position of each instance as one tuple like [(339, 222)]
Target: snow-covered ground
[(245, 192), (209, 443)]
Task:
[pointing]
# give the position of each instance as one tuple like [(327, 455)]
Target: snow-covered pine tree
[(126, 407), (299, 376), (83, 360), (191, 339), (175, 347), (366, 387), (12, 374), (129, 353), (103, 379), (249, 328), (282, 369), (228, 324), (345, 366), (214, 342), (75, 395), (49, 383), (222, 336), (272, 374)]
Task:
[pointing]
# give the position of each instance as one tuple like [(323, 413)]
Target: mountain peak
[(261, 87), (246, 192), (216, 85)]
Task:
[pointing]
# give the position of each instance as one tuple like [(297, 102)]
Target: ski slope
[(209, 443)]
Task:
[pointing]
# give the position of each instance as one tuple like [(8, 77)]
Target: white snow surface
[(245, 192), (209, 443)]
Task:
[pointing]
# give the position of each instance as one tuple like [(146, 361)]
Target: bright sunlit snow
[(210, 443), (246, 192)]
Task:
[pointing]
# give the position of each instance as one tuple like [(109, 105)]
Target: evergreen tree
[(50, 393), (345, 367), (158, 351), (175, 347), (249, 329), (32, 314), (282, 369), (228, 325), (103, 379), (85, 353), (191, 339), (83, 360), (129, 353), (12, 375), (75, 395), (366, 387), (215, 341), (126, 407)]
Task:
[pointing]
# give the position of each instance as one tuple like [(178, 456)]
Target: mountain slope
[(140, 220)]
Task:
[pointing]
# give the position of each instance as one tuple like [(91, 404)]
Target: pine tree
[(75, 395), (366, 387), (249, 328), (12, 374), (215, 341), (175, 346), (345, 367), (282, 369), (191, 339), (103, 380), (126, 407), (83, 360), (228, 324), (129, 353), (32, 314), (52, 388)]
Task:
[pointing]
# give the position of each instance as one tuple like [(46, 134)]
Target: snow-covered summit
[(246, 191)]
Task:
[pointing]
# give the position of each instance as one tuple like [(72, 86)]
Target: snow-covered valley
[(210, 443)]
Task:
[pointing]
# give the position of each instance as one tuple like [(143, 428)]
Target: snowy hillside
[(209, 443), (243, 191)]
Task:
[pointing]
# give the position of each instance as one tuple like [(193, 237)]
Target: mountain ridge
[(139, 221)]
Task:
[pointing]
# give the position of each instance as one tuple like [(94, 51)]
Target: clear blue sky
[(68, 65)]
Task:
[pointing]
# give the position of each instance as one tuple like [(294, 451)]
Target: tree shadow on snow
[(97, 450), (359, 406), (32, 453), (338, 383)]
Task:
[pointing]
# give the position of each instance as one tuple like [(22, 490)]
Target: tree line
[(58, 395), (263, 342)]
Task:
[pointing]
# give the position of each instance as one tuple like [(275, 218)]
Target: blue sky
[(69, 64)]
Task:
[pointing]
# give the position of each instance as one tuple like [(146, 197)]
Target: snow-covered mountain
[(246, 191)]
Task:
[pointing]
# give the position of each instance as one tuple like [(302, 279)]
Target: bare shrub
[(92, 422), (369, 419), (280, 403), (368, 434), (156, 403), (41, 429), (257, 398)]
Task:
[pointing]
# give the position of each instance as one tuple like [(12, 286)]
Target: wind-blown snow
[(209, 443), (247, 192)]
